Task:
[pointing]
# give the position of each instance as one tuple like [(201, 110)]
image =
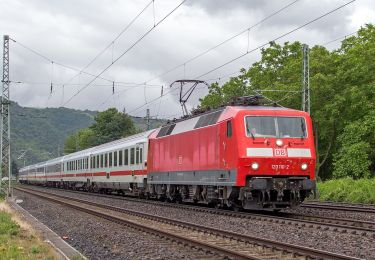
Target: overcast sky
[(73, 32)]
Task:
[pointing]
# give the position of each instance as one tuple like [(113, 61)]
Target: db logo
[(279, 152)]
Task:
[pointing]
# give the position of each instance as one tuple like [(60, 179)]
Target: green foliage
[(83, 139), (17, 244), (348, 190), (109, 125), (7, 226), (354, 157), (42, 131), (342, 94)]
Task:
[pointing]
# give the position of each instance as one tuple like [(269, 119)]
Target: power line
[(49, 60), (126, 51), (223, 42), (339, 38), (257, 48), (277, 38), (113, 41)]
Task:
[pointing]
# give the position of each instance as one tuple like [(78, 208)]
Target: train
[(244, 155)]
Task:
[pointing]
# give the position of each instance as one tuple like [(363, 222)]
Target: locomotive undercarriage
[(259, 193), (275, 193)]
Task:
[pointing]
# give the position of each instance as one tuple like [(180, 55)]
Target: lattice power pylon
[(5, 171), (305, 79)]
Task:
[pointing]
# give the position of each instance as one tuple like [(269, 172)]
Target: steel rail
[(343, 207), (295, 250), (341, 225)]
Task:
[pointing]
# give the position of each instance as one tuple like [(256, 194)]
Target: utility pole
[(148, 119), (305, 79), (5, 185)]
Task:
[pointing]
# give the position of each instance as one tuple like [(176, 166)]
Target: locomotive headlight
[(304, 166), (279, 142), (255, 166)]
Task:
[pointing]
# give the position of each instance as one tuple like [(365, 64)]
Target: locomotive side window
[(229, 128), (271, 126)]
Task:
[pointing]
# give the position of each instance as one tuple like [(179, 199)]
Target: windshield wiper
[(252, 135), (303, 129)]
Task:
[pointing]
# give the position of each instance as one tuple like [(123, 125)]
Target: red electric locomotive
[(243, 156)]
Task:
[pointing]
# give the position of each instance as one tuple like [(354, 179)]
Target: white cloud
[(73, 32)]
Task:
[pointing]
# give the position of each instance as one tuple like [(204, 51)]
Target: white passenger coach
[(119, 165)]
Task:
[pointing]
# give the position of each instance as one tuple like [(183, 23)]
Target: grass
[(16, 243), (348, 190)]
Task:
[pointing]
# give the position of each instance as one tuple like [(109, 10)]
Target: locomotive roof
[(117, 144), (209, 118)]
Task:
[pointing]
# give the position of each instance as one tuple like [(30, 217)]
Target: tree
[(342, 94), (83, 139), (109, 125)]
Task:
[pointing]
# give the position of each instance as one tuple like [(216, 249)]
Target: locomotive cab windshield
[(275, 127)]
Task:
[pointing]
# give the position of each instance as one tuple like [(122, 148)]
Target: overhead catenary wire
[(257, 48), (276, 39), (223, 42), (125, 52), (111, 44), (216, 46), (56, 63)]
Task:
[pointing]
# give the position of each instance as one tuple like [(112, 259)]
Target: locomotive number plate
[(280, 152)]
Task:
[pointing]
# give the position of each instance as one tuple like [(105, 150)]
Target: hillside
[(42, 131)]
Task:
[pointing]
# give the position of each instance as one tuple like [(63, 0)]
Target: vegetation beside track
[(348, 190), (17, 243)]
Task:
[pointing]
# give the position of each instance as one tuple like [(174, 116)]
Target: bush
[(348, 190)]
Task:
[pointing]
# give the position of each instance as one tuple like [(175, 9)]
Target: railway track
[(339, 206), (215, 241), (342, 225)]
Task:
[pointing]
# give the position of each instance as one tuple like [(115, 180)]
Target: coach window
[(132, 155), (97, 161), (115, 158), (106, 160), (229, 128), (137, 155), (120, 158), (141, 155), (126, 161), (110, 159)]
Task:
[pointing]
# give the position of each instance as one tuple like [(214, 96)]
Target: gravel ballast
[(343, 243), (97, 238)]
